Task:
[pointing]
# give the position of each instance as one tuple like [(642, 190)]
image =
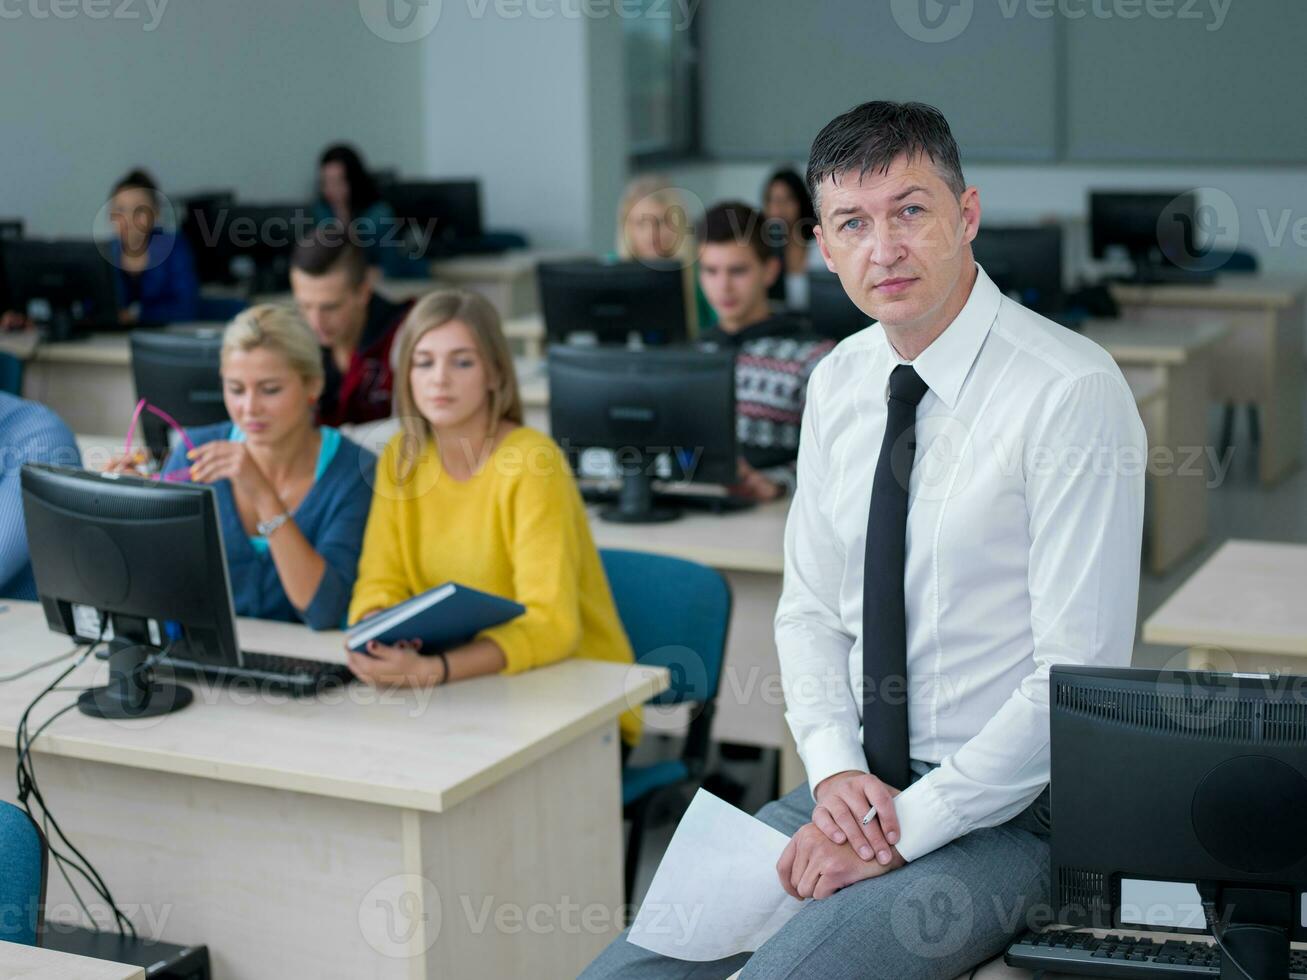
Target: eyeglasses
[(176, 476)]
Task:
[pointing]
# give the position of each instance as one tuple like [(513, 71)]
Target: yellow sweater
[(517, 529)]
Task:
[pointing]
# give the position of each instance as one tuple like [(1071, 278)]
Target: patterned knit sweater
[(773, 361)]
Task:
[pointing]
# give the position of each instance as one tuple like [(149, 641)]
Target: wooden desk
[(19, 962), (1243, 609), (508, 280), (1259, 363), (1178, 356), (473, 830)]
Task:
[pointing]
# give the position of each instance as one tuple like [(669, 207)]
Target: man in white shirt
[(969, 512)]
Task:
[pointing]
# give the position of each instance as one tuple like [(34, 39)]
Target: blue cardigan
[(332, 516), (169, 288)]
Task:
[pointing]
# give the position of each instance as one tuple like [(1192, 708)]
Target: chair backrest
[(676, 614), (11, 374), (23, 858)]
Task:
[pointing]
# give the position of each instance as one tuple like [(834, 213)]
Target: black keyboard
[(294, 675), (1083, 953), (712, 503)]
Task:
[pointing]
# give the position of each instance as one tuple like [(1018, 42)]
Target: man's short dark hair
[(868, 138), (328, 249), (735, 222)]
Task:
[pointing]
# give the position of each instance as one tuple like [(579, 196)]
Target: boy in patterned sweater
[(774, 353)]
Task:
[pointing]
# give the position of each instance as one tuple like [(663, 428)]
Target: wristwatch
[(265, 528)]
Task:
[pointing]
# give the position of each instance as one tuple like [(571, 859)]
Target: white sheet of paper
[(715, 893)]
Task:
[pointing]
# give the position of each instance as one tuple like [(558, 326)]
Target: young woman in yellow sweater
[(466, 493)]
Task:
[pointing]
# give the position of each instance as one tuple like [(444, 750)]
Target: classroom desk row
[(464, 831)]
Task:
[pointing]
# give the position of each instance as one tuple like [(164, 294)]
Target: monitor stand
[(1255, 930), (132, 691), (635, 501)]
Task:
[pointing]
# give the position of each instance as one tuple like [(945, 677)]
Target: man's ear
[(771, 270), (819, 234)]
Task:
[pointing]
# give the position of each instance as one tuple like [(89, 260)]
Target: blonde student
[(466, 493)]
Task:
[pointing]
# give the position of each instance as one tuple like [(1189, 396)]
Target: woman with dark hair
[(156, 271), (348, 195), (790, 223)]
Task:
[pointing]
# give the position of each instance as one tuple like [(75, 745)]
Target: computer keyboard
[(295, 675), (1113, 955), (712, 503)]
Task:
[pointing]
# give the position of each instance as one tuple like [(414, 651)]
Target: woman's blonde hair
[(659, 189), (435, 310), (280, 329)]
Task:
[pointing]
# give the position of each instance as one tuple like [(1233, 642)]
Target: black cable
[(28, 789), (1217, 930)]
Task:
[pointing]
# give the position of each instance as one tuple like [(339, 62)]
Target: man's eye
[(853, 224), (912, 210)]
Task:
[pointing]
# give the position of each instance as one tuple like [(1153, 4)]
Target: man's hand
[(753, 485), (813, 866), (844, 799)]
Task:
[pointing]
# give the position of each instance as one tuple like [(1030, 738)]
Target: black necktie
[(884, 611)]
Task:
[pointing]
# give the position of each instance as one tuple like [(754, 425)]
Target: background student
[(790, 223), (29, 433), (654, 225), (465, 493), (156, 271), (348, 196), (292, 497), (775, 355), (353, 324)]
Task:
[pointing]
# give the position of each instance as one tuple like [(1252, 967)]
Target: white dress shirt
[(1024, 528)]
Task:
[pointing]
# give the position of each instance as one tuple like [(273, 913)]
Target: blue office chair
[(11, 374), (677, 614), (23, 860)]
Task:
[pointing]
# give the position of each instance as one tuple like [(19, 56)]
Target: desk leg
[(1179, 475), (1280, 411), (523, 879)]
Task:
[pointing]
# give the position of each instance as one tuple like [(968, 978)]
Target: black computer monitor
[(255, 242), (178, 371), (613, 302), (1171, 789), (144, 557), (72, 278), (1025, 262), (447, 211), (204, 213), (833, 314), (663, 414), (11, 229), (1156, 229)]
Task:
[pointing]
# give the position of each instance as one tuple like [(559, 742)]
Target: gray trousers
[(932, 919)]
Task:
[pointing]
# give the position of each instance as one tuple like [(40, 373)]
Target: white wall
[(535, 107), (234, 94), (1247, 201)]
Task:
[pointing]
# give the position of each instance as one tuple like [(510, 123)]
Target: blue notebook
[(442, 618)]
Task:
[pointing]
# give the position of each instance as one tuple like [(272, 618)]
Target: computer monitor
[(833, 314), (1172, 789), (613, 302), (204, 213), (451, 207), (143, 558), (11, 229), (663, 414), (255, 242), (1025, 262), (1156, 229), (71, 279), (178, 371)]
